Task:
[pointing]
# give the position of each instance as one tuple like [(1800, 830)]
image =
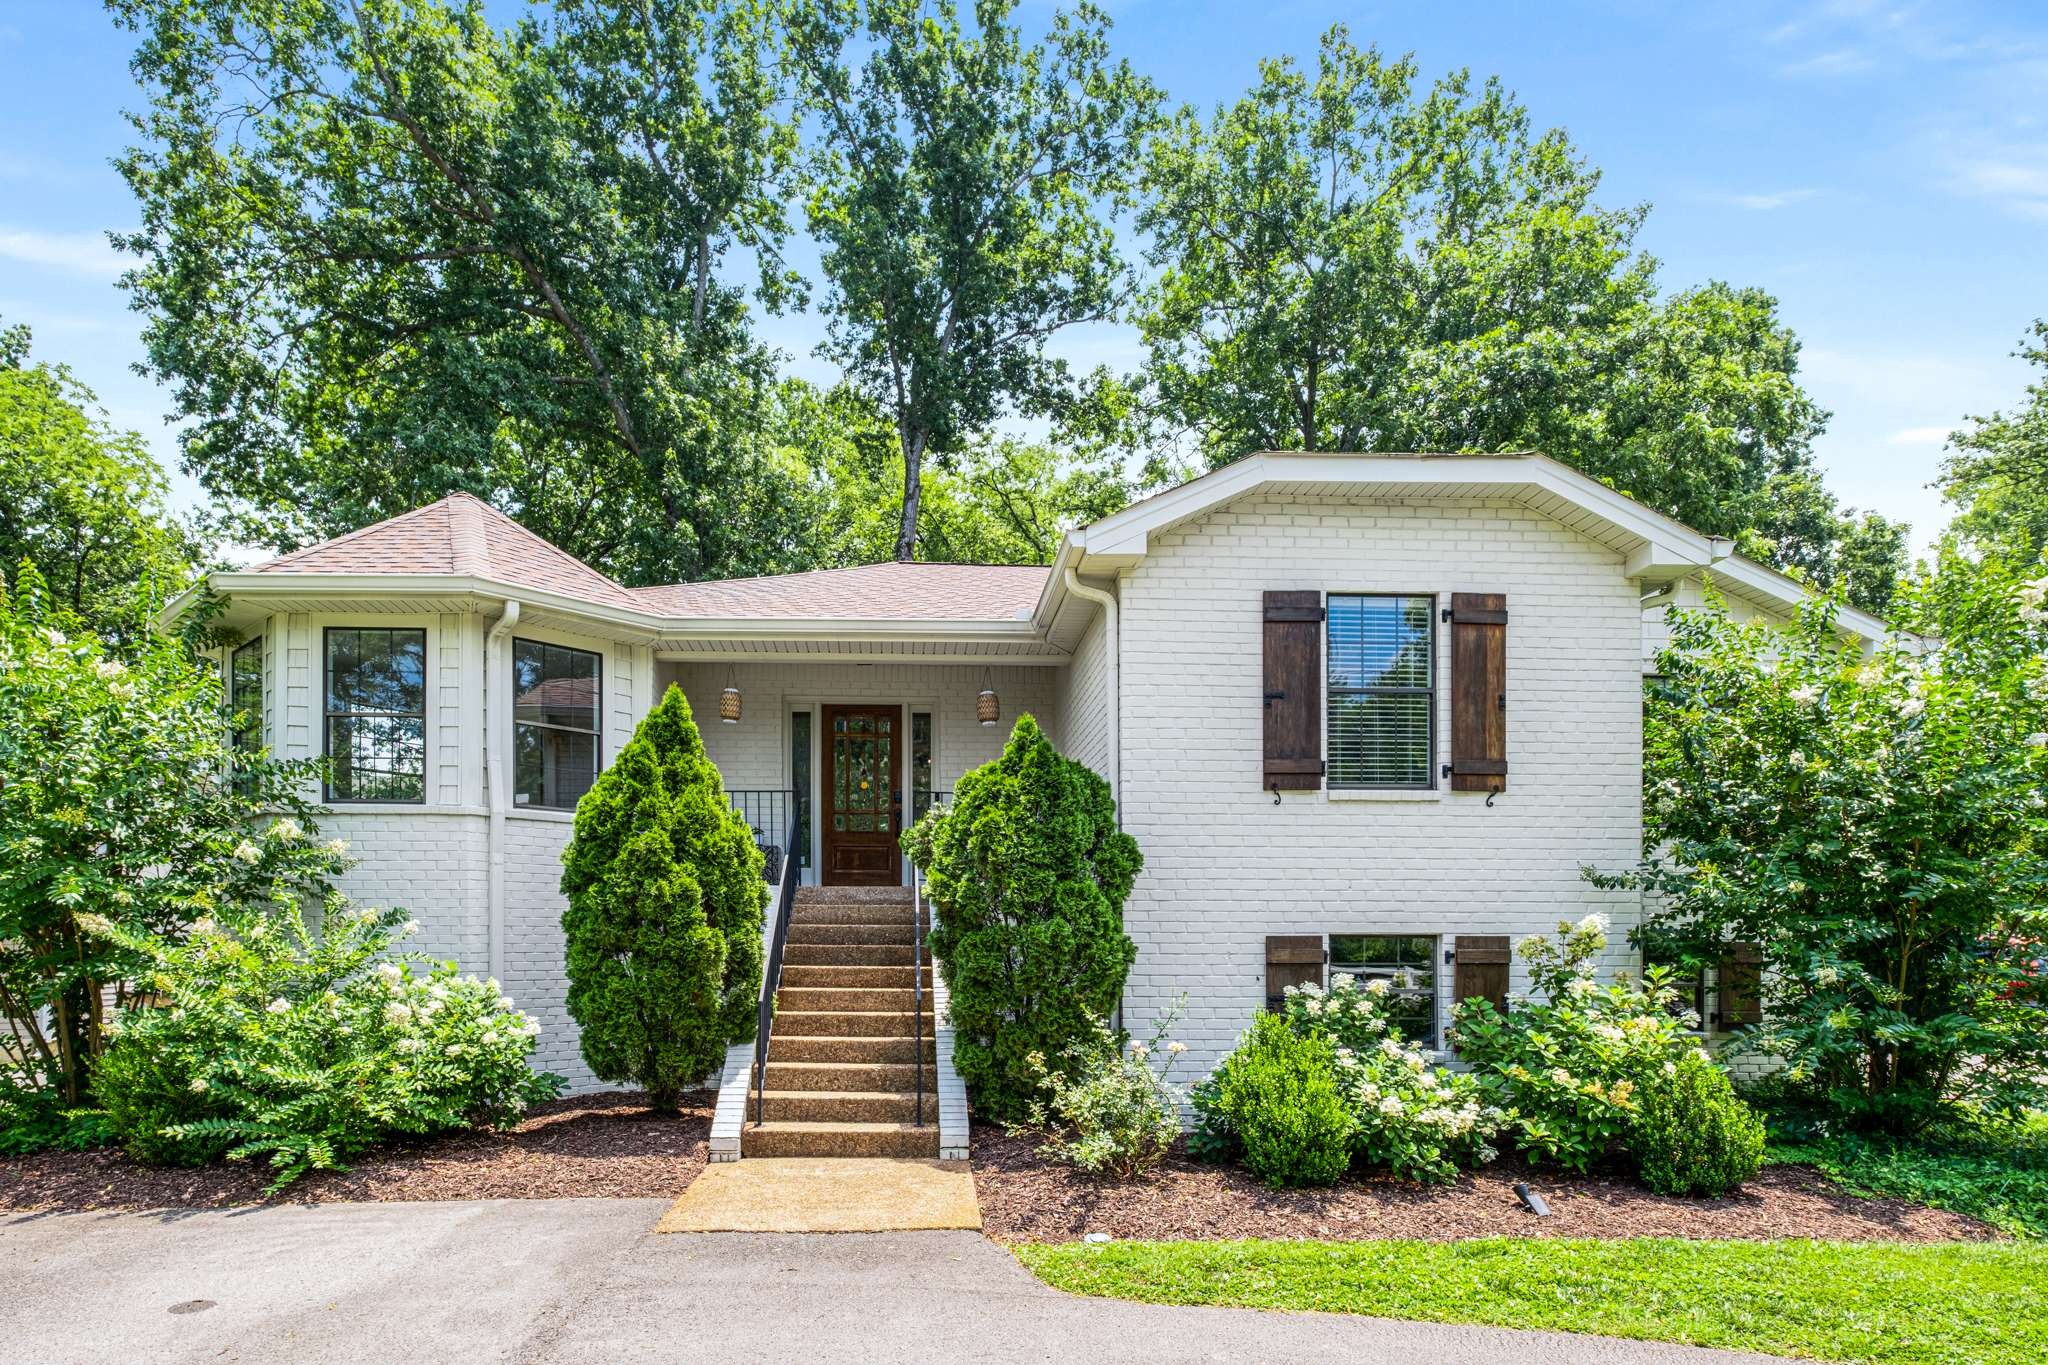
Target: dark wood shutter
[(1294, 691), (1291, 960), (1738, 980), (1482, 968), (1479, 692)]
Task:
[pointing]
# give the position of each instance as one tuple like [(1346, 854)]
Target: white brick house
[(1416, 778)]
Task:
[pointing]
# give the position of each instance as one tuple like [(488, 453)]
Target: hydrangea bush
[(269, 1038), (1109, 1111), (1416, 1120), (1572, 1065)]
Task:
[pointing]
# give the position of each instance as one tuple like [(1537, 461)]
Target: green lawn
[(1900, 1305)]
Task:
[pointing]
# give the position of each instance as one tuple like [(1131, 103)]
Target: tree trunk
[(913, 489)]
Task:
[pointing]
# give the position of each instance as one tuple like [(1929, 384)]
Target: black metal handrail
[(771, 970), (917, 976), (772, 813)]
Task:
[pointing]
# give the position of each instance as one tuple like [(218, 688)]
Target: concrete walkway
[(587, 1281), (826, 1194)]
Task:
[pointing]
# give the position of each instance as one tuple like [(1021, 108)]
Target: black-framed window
[(800, 780), (1382, 690), (245, 695), (376, 712), (1407, 963), (556, 730), (920, 764)]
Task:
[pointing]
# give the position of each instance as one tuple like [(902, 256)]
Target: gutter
[(497, 785), (1107, 600)]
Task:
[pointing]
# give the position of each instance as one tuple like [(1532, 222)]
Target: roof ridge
[(469, 551), (839, 568)]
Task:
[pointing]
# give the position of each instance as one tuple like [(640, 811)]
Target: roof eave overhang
[(651, 627)]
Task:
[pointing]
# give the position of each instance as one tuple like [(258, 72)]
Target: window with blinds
[(1382, 691)]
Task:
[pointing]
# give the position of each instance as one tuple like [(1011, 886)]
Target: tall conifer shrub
[(1029, 873), (664, 919)]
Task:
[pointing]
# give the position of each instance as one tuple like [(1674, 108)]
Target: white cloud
[(2013, 176), (1777, 199), (1841, 61), (86, 252), (1919, 436)]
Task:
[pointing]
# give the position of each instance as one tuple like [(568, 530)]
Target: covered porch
[(863, 748)]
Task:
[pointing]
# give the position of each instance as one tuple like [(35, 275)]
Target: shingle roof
[(461, 535), (872, 592)]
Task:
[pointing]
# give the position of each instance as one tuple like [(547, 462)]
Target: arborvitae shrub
[(665, 907), (1029, 873)]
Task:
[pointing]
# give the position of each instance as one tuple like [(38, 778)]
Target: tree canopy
[(1998, 473), (1348, 259), (390, 249), (81, 501), (956, 195)]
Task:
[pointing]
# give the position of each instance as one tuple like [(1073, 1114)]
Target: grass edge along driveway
[(1948, 1304)]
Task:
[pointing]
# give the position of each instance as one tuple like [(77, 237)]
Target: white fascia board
[(1768, 583), (653, 628)]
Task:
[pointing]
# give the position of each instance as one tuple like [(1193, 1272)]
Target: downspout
[(497, 725), (1114, 645)]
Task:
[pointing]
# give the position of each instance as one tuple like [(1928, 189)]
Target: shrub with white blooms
[(1419, 1121), (271, 1039)]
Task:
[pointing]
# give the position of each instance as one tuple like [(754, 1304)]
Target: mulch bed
[(1025, 1198), (588, 1146)]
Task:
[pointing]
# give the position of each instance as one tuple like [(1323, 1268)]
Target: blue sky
[(1881, 167)]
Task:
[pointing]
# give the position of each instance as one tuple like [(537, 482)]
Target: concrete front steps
[(844, 1060)]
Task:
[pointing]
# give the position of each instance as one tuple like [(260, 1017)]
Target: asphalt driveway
[(579, 1280)]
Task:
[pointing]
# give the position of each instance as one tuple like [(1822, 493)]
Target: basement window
[(1407, 963)]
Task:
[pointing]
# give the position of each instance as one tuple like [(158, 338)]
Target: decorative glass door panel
[(863, 801)]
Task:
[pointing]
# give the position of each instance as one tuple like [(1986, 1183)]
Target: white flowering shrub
[(1416, 1120), (1875, 825), (1571, 1066), (269, 1039), (1110, 1111)]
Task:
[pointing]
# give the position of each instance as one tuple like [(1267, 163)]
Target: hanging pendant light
[(988, 706), (729, 700)]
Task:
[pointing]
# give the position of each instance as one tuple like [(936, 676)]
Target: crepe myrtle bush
[(1029, 874), (666, 900), (1877, 826), (124, 800)]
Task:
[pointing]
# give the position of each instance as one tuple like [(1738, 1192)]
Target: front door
[(862, 813)]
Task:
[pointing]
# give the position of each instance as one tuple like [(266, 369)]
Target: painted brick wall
[(1225, 866), (431, 863), (534, 949), (1081, 698)]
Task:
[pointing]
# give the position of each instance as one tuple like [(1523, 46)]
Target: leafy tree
[(82, 501), (1998, 473), (124, 806), (957, 196), (1350, 261), (665, 907), (388, 250), (1004, 501), (1029, 874), (1876, 826)]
